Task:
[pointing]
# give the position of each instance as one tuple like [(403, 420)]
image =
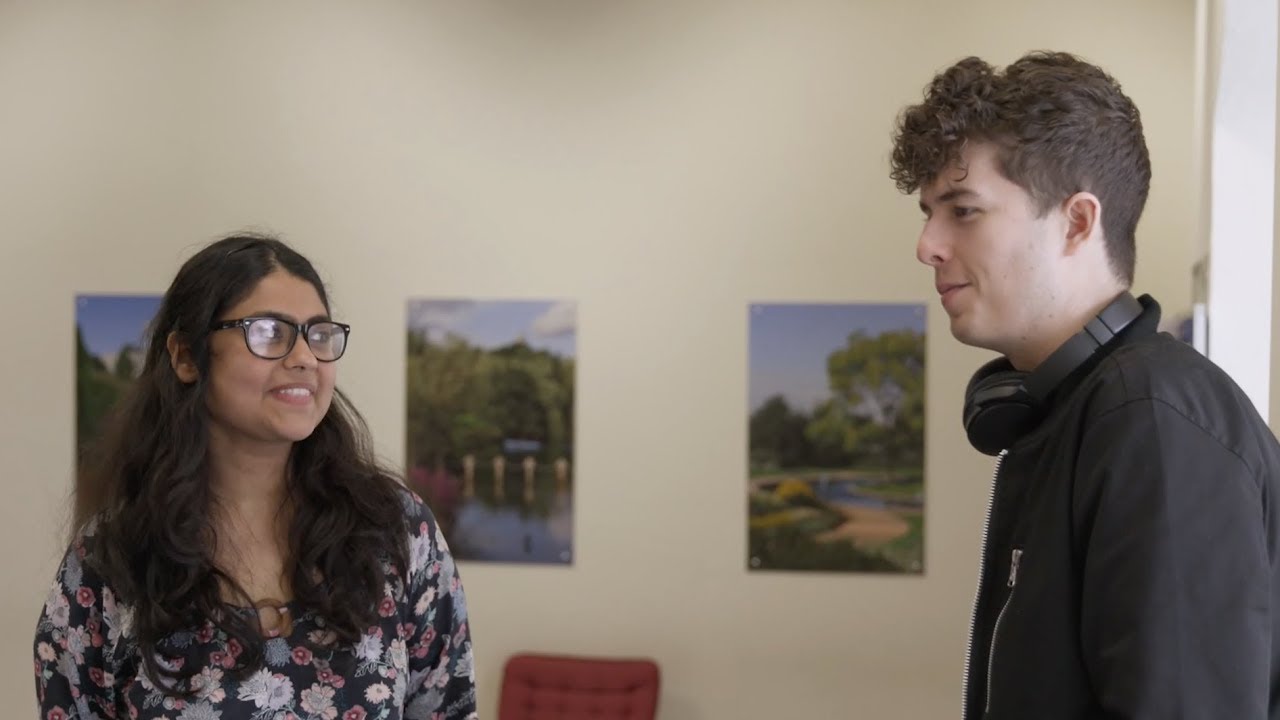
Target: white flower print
[(46, 652), (399, 687), (318, 700), (59, 609), (208, 685), (72, 572), (279, 692), (466, 666), (200, 711), (398, 655), (377, 693), (77, 641), (419, 553), (254, 688), (111, 615), (69, 669), (370, 648)]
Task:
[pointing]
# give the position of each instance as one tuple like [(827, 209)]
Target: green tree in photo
[(881, 379), (441, 384), (125, 369), (466, 400), (97, 391), (777, 436)]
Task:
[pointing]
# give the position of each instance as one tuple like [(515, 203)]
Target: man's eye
[(962, 212)]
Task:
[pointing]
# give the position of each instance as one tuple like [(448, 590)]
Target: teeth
[(295, 392)]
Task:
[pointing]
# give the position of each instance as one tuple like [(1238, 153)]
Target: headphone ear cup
[(998, 409)]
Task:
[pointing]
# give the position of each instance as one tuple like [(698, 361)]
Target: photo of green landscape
[(489, 422), (836, 438), (110, 338)]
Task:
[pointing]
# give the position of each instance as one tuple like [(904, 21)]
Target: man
[(1129, 567)]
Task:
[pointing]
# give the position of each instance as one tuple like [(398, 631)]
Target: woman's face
[(256, 401)]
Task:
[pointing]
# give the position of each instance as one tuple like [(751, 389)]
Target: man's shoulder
[(1161, 372), (1162, 369)]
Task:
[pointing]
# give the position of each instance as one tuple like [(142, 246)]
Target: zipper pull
[(1013, 567)]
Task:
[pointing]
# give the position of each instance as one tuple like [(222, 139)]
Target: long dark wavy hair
[(144, 486)]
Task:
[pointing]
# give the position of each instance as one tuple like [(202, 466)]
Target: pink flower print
[(228, 661), (85, 597), (387, 607)]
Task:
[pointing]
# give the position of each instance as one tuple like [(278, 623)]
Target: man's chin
[(965, 333)]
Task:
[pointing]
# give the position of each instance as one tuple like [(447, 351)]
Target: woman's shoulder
[(80, 595), (418, 516), (428, 549)]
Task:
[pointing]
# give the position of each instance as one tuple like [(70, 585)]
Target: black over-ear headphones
[(1002, 404)]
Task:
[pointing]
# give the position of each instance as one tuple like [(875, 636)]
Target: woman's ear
[(184, 366)]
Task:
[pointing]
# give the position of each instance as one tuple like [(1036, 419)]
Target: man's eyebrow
[(948, 196)]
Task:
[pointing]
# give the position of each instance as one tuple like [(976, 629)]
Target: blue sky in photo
[(789, 344), (109, 322), (544, 325)]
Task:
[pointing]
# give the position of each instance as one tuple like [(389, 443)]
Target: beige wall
[(663, 163)]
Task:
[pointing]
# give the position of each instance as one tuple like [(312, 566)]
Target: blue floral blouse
[(414, 664)]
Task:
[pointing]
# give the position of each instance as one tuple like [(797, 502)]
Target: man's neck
[(1057, 329)]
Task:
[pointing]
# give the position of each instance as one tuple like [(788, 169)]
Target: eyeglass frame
[(300, 330)]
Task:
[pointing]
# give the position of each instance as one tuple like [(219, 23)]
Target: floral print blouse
[(414, 664)]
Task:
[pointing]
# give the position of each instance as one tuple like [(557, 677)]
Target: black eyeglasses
[(272, 338)]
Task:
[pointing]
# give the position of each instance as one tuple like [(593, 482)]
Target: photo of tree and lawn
[(836, 446), (111, 331), (490, 431)]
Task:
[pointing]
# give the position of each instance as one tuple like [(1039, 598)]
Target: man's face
[(994, 261)]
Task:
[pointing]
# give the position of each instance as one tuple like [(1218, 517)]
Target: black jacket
[(1129, 566)]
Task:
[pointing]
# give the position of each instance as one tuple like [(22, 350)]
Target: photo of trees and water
[(490, 429), (836, 446)]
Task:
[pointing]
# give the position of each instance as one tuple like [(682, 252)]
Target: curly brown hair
[(1061, 126)]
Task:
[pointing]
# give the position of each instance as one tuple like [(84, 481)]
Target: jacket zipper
[(982, 571), (991, 653)]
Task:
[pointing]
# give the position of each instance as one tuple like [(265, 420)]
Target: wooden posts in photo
[(468, 476), (530, 467), (499, 474)]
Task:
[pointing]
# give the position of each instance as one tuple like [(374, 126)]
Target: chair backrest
[(561, 687)]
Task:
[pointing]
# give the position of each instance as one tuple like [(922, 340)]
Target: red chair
[(561, 687)]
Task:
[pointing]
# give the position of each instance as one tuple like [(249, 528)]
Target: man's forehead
[(950, 184)]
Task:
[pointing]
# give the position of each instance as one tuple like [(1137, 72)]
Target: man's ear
[(1083, 213), (184, 366)]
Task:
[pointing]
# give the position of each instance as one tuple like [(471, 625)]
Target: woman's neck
[(248, 480), (251, 517)]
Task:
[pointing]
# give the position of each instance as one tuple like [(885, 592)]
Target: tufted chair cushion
[(559, 687)]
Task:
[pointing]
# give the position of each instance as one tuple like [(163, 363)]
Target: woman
[(238, 552)]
